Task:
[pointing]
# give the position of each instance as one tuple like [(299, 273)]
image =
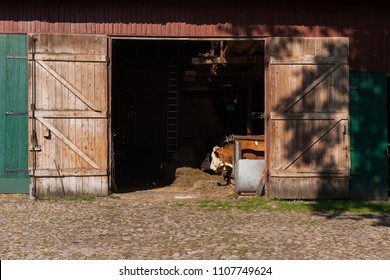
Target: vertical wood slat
[(66, 95), (71, 85)]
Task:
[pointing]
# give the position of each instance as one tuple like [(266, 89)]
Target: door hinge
[(17, 57), (353, 89), (7, 170), (16, 114)]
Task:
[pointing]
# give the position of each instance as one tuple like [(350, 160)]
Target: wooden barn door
[(13, 114), (68, 114), (308, 152)]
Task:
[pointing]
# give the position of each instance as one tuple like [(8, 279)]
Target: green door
[(368, 117), (14, 176)]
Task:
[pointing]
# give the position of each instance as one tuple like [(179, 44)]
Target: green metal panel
[(368, 129), (13, 120)]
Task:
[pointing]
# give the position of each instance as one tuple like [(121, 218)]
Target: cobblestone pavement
[(162, 224)]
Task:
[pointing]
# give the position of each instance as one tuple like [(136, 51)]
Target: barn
[(94, 91)]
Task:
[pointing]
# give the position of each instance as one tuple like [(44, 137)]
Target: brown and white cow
[(222, 157)]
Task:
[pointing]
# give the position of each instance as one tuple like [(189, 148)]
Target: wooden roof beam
[(227, 60), (228, 49), (255, 46)]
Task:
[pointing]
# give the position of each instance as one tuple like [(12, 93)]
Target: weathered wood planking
[(71, 114), (307, 110), (52, 186)]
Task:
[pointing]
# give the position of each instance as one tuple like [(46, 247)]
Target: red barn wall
[(367, 25)]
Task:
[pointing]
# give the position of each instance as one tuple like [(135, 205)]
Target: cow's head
[(205, 165), (217, 164)]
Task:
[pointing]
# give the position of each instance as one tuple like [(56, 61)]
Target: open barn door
[(68, 114), (308, 151)]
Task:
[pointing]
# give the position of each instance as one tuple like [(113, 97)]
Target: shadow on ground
[(377, 211)]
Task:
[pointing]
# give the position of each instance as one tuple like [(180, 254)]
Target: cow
[(205, 165), (222, 157)]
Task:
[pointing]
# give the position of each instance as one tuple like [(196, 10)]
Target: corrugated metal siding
[(367, 25)]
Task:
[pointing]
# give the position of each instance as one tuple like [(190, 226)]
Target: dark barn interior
[(173, 100)]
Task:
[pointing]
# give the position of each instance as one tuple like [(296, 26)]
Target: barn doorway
[(388, 134), (173, 100)]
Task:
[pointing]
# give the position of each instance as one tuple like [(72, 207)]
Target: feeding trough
[(248, 173)]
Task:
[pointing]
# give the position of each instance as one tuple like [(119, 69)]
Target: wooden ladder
[(172, 112)]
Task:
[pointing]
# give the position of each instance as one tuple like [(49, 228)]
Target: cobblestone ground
[(168, 223), (138, 227)]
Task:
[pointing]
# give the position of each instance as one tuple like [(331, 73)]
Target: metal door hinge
[(7, 170), (17, 57), (353, 89), (16, 113)]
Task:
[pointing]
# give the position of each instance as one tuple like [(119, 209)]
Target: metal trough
[(247, 175)]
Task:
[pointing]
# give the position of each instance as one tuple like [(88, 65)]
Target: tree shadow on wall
[(314, 129), (308, 118), (308, 113)]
